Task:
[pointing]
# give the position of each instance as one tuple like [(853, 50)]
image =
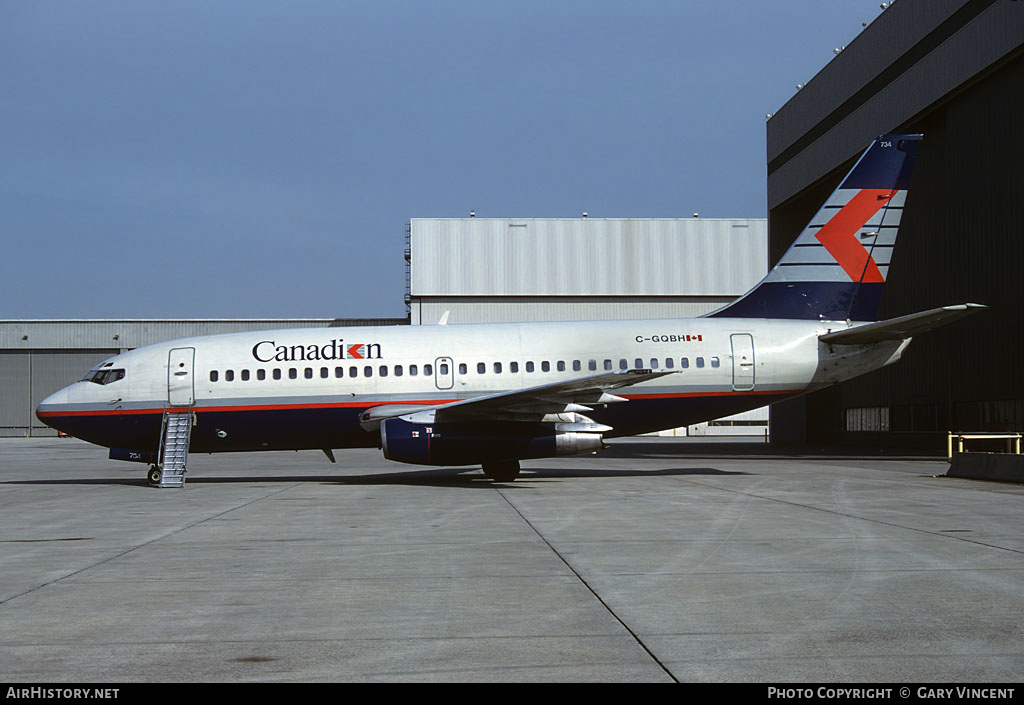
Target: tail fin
[(836, 268)]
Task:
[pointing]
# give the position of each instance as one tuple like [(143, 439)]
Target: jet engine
[(470, 443)]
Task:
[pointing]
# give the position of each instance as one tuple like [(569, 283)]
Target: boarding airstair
[(174, 439)]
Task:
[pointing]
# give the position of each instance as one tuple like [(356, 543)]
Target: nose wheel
[(154, 474)]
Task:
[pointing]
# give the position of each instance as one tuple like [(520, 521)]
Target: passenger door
[(742, 361), (180, 376), (444, 373)]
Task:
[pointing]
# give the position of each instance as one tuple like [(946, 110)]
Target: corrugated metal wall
[(586, 256), (511, 310), (28, 376), (16, 382)]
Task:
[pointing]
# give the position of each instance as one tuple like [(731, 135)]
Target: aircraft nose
[(51, 405), (58, 397)]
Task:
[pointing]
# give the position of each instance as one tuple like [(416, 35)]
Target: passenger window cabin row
[(427, 370)]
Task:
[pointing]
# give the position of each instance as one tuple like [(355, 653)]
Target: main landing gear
[(154, 474), (506, 471)]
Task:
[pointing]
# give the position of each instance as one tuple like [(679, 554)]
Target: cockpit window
[(104, 376)]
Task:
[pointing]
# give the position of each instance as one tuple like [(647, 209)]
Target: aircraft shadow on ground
[(702, 452), (441, 477)]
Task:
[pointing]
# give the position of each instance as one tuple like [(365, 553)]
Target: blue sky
[(261, 159)]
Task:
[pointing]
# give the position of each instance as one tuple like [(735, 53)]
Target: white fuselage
[(306, 388)]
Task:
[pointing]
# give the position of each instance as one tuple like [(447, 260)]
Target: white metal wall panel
[(511, 310), (746, 423), (586, 256)]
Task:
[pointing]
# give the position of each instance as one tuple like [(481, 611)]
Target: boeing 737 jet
[(495, 394)]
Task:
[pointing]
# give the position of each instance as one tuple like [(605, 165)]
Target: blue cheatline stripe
[(289, 428)]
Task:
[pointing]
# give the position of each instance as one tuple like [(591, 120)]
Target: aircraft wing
[(900, 328), (529, 404), (571, 395)]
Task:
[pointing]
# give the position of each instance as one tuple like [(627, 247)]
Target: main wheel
[(154, 474), (506, 471)]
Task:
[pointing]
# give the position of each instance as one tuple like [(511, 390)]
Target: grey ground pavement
[(658, 560)]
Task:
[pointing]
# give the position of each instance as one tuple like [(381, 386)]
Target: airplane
[(496, 394)]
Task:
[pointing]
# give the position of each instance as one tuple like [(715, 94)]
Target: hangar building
[(952, 70)]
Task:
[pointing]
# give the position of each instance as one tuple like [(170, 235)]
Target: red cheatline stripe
[(246, 407), (839, 235), (367, 404), (339, 405)]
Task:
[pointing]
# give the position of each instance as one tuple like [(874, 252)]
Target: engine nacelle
[(468, 444)]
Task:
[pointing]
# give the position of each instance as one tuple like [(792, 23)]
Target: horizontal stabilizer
[(900, 328)]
